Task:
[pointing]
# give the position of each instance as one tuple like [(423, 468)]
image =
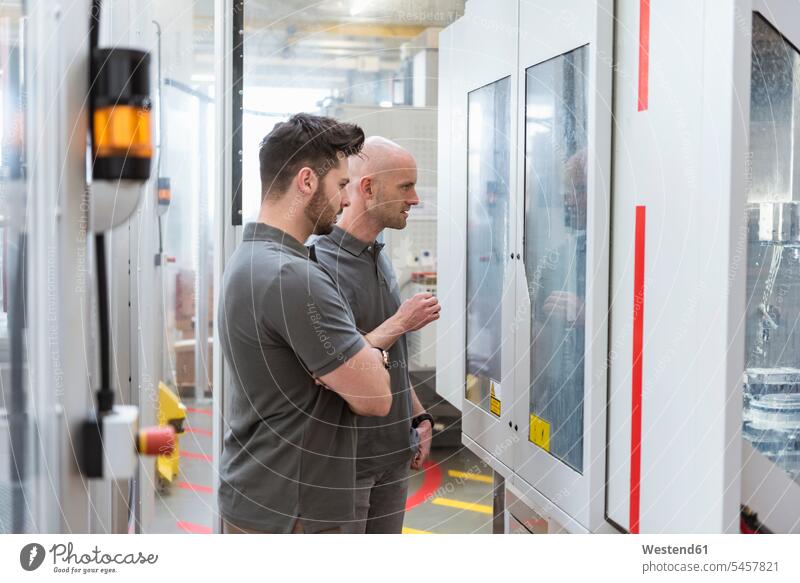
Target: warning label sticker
[(495, 397), (540, 432)]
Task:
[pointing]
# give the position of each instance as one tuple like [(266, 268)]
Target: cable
[(105, 395), (159, 146), (158, 100), (94, 40), (94, 24)]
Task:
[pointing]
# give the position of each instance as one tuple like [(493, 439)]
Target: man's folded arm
[(363, 382), (305, 308)]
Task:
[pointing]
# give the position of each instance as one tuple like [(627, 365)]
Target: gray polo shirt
[(365, 278), (289, 446)]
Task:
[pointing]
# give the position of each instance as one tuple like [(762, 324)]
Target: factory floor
[(453, 495)]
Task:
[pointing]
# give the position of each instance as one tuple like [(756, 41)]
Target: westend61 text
[(674, 550)]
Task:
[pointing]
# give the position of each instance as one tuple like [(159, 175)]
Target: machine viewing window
[(488, 171), (556, 102), (772, 374)]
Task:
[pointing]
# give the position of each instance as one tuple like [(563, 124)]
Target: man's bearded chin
[(318, 212)]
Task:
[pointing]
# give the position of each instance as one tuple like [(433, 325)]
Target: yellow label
[(494, 402), (540, 432)]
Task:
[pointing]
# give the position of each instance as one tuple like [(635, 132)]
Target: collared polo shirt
[(289, 445), (365, 278)]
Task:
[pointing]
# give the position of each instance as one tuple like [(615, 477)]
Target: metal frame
[(226, 235), (235, 60), (449, 331), (44, 316), (67, 61), (201, 284)]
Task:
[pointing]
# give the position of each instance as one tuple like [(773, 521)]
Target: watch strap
[(416, 421)]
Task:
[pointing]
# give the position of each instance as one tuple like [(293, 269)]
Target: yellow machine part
[(122, 130), (170, 412)]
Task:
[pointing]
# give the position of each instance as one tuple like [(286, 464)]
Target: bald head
[(382, 186), (379, 156)]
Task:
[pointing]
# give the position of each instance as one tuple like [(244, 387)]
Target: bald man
[(382, 193)]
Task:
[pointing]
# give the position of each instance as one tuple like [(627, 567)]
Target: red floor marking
[(195, 456), (195, 487), (196, 410), (636, 374), (194, 528), (204, 432), (644, 54), (431, 481)]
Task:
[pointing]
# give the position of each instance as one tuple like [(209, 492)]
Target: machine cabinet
[(620, 260), (528, 127), (477, 247)]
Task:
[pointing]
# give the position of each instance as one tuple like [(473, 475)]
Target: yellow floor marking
[(470, 476), (482, 508), (414, 531)]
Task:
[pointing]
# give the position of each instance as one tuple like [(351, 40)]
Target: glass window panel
[(555, 250), (488, 171), (186, 155), (772, 376)]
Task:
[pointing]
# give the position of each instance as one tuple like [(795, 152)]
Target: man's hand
[(413, 314), (566, 305), (425, 432), (418, 311)]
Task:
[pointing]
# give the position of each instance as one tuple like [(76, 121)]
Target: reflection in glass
[(772, 375), (488, 171), (555, 250)]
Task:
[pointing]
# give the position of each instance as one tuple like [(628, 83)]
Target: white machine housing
[(674, 135)]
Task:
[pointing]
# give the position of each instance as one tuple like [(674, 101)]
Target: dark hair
[(304, 140)]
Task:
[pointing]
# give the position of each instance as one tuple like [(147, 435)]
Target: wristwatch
[(416, 421), (384, 356)]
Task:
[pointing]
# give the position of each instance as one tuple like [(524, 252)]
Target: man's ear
[(307, 181), (367, 186)]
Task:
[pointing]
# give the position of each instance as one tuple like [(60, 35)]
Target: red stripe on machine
[(644, 54), (636, 374)]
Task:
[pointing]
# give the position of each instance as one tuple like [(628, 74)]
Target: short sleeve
[(305, 310)]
